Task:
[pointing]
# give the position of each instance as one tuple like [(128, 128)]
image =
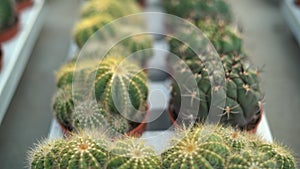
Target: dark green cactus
[(8, 16), (86, 27), (121, 87), (132, 153), (225, 39), (243, 94), (199, 9)]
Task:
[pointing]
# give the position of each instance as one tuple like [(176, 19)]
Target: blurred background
[(267, 37)]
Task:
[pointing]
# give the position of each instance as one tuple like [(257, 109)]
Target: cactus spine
[(132, 153)]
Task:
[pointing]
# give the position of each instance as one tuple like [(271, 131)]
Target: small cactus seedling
[(111, 7), (132, 153), (121, 87), (88, 26), (199, 9)]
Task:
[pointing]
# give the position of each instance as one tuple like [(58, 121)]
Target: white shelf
[(17, 52), (291, 13)]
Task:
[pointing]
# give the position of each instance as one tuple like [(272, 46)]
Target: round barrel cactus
[(196, 150), (86, 27), (132, 153), (111, 7), (199, 9), (121, 87), (44, 155), (243, 93)]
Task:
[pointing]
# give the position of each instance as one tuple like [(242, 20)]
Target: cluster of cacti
[(8, 15), (209, 147), (121, 93), (199, 9), (205, 147)]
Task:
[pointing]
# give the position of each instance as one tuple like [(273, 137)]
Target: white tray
[(17, 52)]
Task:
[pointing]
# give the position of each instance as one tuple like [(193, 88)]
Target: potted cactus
[(206, 147), (123, 80), (9, 24), (23, 4), (199, 9)]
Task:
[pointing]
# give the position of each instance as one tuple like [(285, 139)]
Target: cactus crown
[(121, 86), (132, 153)]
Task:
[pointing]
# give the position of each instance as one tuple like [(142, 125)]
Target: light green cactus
[(87, 27), (131, 153), (111, 7), (196, 150), (199, 9)]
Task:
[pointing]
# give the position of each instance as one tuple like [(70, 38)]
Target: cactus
[(79, 151), (8, 16), (243, 94), (132, 153), (121, 87), (210, 146), (225, 39), (88, 26), (111, 7), (142, 44), (196, 150), (199, 9), (89, 115), (63, 107)]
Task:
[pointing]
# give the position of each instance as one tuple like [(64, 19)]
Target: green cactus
[(282, 157), (89, 115), (63, 107), (121, 87), (250, 159), (196, 150), (86, 27), (199, 9), (8, 16), (44, 155), (225, 39), (142, 44), (111, 7), (132, 153), (79, 151), (243, 94)]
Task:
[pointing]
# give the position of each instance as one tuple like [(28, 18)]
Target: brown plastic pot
[(142, 3), (23, 5), (10, 32), (251, 130), (135, 132), (297, 2)]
